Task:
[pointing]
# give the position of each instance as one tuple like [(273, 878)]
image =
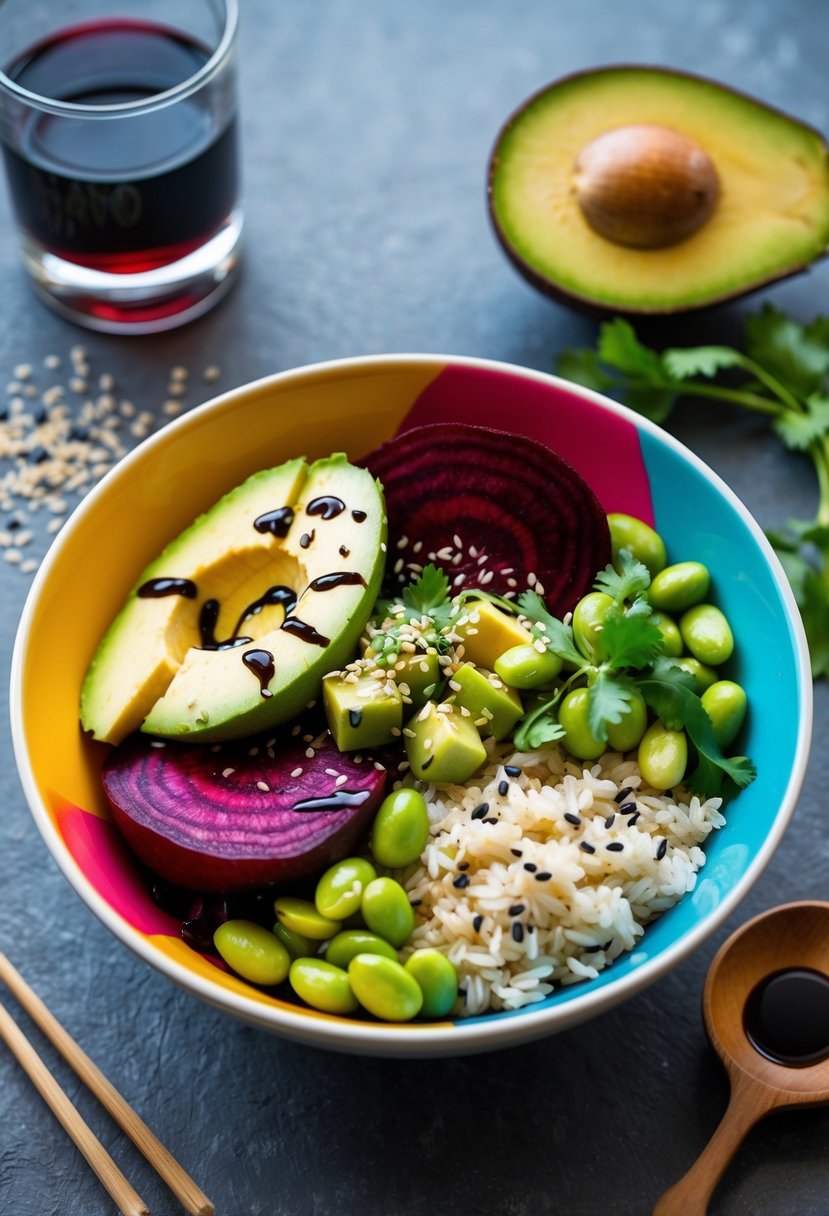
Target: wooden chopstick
[(180, 1183)]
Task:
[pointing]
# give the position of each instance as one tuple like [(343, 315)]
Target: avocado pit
[(645, 185)]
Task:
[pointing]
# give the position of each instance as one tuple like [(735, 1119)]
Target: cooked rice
[(520, 862)]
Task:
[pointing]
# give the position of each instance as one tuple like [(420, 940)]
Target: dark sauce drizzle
[(341, 578), (327, 506), (209, 615), (261, 663), (303, 631), (276, 522), (359, 516), (337, 800), (344, 552), (306, 538), (155, 588)]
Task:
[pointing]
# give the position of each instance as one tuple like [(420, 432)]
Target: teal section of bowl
[(689, 504)]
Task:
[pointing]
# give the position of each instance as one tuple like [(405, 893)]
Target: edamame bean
[(625, 735), (387, 911), (385, 988), (301, 916), (437, 980), (351, 942), (707, 634), (725, 703), (296, 944), (339, 892), (672, 645), (322, 986), (400, 829), (588, 617), (647, 546), (525, 667), (578, 738), (679, 586), (252, 951), (704, 676), (663, 756)]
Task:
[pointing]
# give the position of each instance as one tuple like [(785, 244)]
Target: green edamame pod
[(296, 944), (625, 735), (387, 911), (663, 756), (578, 738), (524, 667), (704, 676), (400, 829), (322, 986), (252, 951), (351, 942), (588, 617), (672, 645), (339, 892), (725, 703), (385, 988), (707, 634), (639, 538), (679, 586), (437, 979), (301, 916)]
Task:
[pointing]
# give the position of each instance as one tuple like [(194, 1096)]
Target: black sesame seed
[(355, 717), (608, 823), (512, 770), (415, 902), (517, 931), (636, 815), (531, 928), (592, 949), (477, 921), (4, 413), (574, 819), (38, 454), (585, 847), (615, 846), (480, 811), (543, 876), (13, 523), (40, 416), (622, 795), (627, 808), (516, 852), (531, 866), (461, 881), (490, 820), (517, 909), (463, 865), (661, 850), (79, 432), (503, 788), (426, 763)]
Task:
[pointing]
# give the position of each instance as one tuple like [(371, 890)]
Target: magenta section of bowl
[(601, 445)]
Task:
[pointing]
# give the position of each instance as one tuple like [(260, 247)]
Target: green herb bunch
[(783, 373)]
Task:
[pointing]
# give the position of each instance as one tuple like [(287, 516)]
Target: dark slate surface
[(366, 132)]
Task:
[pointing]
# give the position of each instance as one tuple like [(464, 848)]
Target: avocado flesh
[(146, 643), (443, 746), (363, 713), (486, 697), (216, 694), (771, 220)]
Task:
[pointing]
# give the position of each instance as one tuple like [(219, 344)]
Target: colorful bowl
[(351, 405)]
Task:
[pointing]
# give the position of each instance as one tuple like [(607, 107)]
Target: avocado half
[(644, 190)]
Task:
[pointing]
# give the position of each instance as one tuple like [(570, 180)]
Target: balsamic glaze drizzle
[(341, 578), (327, 506), (209, 615), (359, 516), (337, 800), (303, 631), (261, 663), (306, 538), (277, 522), (155, 588)]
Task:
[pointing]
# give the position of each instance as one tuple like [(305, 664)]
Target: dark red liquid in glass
[(132, 193)]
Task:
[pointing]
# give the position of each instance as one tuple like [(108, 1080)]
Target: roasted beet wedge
[(516, 507), (236, 817)]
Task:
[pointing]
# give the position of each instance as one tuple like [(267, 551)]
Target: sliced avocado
[(494, 708), (222, 553), (486, 632), (418, 675), (335, 547), (362, 713), (647, 190), (443, 745)]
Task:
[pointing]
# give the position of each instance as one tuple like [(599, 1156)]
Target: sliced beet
[(517, 508), (235, 817)]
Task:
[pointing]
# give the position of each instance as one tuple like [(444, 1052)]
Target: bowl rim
[(458, 1037)]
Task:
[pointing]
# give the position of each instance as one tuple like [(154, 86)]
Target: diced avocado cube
[(487, 632), (485, 696), (420, 672), (361, 713), (443, 745)]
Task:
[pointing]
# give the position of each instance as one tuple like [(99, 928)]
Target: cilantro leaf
[(633, 579), (798, 431), (652, 392), (557, 636), (680, 708), (797, 355), (608, 700), (630, 639), (700, 361), (539, 726), (583, 367), (430, 590), (813, 602)]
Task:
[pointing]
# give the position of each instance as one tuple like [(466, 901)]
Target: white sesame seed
[(296, 772), (158, 743), (341, 780), (531, 580), (52, 362), (28, 566), (211, 373), (227, 772), (78, 385), (263, 786), (310, 753), (23, 371)]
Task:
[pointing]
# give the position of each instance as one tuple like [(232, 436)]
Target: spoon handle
[(690, 1196)]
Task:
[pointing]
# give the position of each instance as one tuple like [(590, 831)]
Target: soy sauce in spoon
[(787, 1016)]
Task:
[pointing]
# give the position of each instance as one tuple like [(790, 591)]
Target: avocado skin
[(588, 305)]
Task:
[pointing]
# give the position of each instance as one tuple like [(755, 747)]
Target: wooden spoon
[(791, 936)]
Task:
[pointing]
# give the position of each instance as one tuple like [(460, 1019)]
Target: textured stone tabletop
[(367, 126)]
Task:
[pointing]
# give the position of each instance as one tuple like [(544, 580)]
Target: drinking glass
[(118, 126)]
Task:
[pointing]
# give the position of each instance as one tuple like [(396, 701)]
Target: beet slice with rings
[(236, 817), (521, 513)]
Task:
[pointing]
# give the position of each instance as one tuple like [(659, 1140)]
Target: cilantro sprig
[(783, 374)]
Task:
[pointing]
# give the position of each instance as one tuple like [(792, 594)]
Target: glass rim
[(185, 88)]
